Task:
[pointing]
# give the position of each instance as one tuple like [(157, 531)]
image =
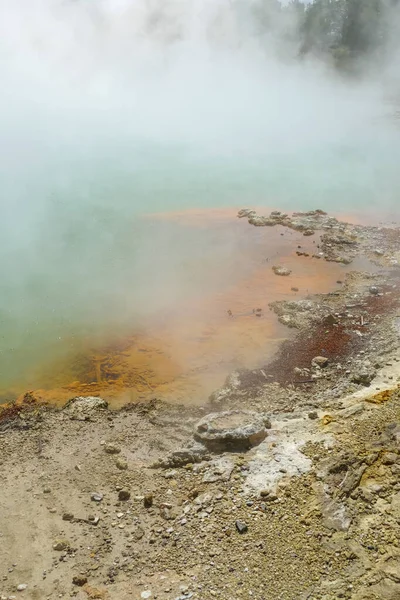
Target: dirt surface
[(129, 503)]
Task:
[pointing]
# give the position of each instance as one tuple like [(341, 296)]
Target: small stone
[(282, 271), (313, 415), (21, 587), (46, 490), (79, 580), (96, 497), (67, 516), (374, 290), (148, 500), (390, 458), (294, 289), (146, 594), (112, 449), (320, 361), (124, 495), (60, 545), (241, 527), (121, 464)]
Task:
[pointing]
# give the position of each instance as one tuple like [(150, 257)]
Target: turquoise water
[(79, 261)]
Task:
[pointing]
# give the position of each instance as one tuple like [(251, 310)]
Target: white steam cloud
[(114, 108)]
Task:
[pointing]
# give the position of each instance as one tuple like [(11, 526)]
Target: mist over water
[(112, 110)]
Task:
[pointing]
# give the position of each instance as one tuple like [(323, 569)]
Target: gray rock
[(219, 470), (112, 449), (374, 290), (21, 587), (231, 430), (320, 361), (82, 408), (282, 271), (241, 527), (96, 497), (364, 377), (335, 515)]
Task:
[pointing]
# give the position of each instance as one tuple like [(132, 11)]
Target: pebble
[(241, 527), (67, 516), (390, 458), (148, 500), (112, 449), (60, 545), (21, 587), (121, 464), (124, 495), (96, 497), (79, 580), (146, 594)]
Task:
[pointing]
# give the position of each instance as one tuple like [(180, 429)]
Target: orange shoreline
[(183, 356)]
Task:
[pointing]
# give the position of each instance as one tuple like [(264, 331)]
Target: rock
[(241, 527), (231, 430), (124, 495), (335, 515), (121, 464), (60, 545), (96, 497), (320, 361), (246, 212), (352, 480), (21, 587), (282, 271), (146, 594), (374, 290), (79, 580), (219, 470), (364, 377), (46, 490), (313, 415), (148, 500), (390, 458), (82, 408), (351, 410), (112, 449), (68, 516)]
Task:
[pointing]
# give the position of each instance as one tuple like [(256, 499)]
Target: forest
[(345, 32)]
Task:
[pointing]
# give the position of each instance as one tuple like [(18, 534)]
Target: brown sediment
[(335, 341), (183, 355)]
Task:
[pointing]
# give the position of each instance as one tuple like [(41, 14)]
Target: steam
[(117, 108)]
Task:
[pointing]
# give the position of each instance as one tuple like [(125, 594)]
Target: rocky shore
[(285, 484)]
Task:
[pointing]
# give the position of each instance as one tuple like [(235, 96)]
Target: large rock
[(82, 408), (233, 430)]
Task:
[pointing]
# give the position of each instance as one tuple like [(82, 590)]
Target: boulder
[(233, 430), (82, 408)]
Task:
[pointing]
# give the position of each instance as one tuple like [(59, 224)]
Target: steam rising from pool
[(114, 109)]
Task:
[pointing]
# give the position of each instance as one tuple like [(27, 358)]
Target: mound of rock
[(82, 408), (234, 430)]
